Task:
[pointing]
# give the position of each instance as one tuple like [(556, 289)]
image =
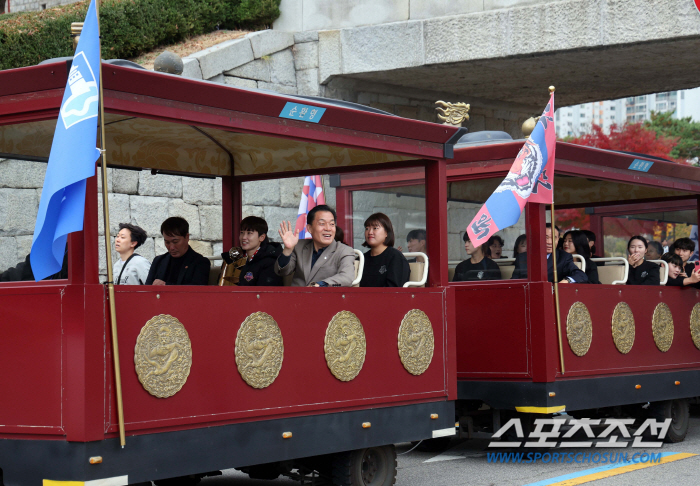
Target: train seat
[(614, 272), (419, 270), (663, 271)]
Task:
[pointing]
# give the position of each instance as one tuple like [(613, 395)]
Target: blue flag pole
[(108, 248)]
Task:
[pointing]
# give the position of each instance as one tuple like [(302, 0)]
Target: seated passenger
[(576, 242), (339, 234), (131, 268), (677, 276), (416, 242), (385, 266), (181, 265), (567, 271), (655, 250), (261, 254), (478, 267), (23, 271), (684, 248), (320, 261), (494, 247), (591, 244), (642, 272), (520, 245)]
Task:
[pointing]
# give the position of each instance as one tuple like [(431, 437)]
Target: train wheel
[(679, 413), (374, 466)]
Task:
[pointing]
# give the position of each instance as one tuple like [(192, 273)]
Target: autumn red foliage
[(630, 137)]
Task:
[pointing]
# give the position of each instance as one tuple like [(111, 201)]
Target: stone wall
[(34, 5)]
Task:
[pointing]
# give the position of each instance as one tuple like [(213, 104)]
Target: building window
[(641, 99), (612, 108), (582, 115), (612, 117), (661, 107), (642, 108)]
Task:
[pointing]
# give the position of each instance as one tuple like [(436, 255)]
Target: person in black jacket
[(181, 265), (567, 271), (478, 266), (642, 272), (261, 254), (576, 242), (385, 266)]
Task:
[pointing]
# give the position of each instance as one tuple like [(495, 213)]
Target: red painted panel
[(30, 358), (492, 330), (215, 392), (603, 357)]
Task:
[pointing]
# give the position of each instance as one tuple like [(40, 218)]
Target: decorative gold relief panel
[(416, 342), (345, 346), (662, 327), (579, 329), (259, 350), (623, 330)]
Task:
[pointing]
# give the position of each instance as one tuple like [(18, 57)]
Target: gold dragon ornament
[(345, 346), (416, 342), (579, 329), (452, 113), (259, 350), (623, 328), (662, 327), (163, 356)]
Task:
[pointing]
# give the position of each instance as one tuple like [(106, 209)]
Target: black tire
[(374, 466), (679, 413)]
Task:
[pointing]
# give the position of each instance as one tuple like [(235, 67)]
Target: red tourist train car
[(255, 380), (217, 377)]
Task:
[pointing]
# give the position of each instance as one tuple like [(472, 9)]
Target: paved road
[(466, 463)]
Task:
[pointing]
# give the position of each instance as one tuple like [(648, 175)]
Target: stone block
[(159, 245), (305, 55), (188, 211), (21, 174), (282, 68), (197, 190), (211, 221), (455, 247), (201, 247), (266, 42), (110, 186), (18, 209), (329, 193), (291, 17), (125, 181), (261, 193), (24, 246), (494, 124), (278, 88), (329, 55), (274, 217), (428, 9), (191, 68), (149, 213), (159, 185), (383, 107), (147, 250), (302, 37), (102, 259), (224, 57), (324, 14), (119, 212), (407, 111), (8, 253), (219, 78), (253, 211), (240, 82), (217, 249), (290, 192), (382, 47), (258, 70), (476, 123), (459, 218), (307, 82)]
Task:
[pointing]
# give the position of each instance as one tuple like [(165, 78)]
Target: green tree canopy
[(684, 129)]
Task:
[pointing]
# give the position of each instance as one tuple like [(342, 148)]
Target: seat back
[(614, 272), (579, 262), (663, 271), (359, 267), (214, 269), (419, 270), (451, 273), (506, 271)]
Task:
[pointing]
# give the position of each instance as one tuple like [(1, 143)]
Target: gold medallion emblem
[(345, 346), (259, 350), (579, 329), (695, 325), (662, 327), (623, 327), (416, 342), (163, 356)]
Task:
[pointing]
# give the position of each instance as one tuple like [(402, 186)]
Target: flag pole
[(556, 278), (108, 248)]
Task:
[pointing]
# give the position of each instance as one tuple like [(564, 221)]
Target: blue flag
[(73, 155)]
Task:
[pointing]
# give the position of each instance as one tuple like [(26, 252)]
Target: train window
[(20, 190), (465, 198)]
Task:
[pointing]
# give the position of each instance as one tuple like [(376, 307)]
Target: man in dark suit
[(567, 271), (181, 265)]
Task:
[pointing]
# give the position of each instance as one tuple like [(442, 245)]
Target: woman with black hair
[(478, 266), (494, 247), (642, 272), (576, 242), (520, 245), (385, 266)]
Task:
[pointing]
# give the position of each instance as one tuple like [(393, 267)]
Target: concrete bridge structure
[(498, 55)]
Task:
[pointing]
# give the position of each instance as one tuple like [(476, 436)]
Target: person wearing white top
[(131, 268)]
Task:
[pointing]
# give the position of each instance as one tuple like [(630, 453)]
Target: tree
[(687, 132), (630, 137)]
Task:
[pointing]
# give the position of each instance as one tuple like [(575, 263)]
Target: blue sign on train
[(641, 165), (297, 111)]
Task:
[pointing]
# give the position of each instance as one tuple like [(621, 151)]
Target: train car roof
[(180, 125)]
